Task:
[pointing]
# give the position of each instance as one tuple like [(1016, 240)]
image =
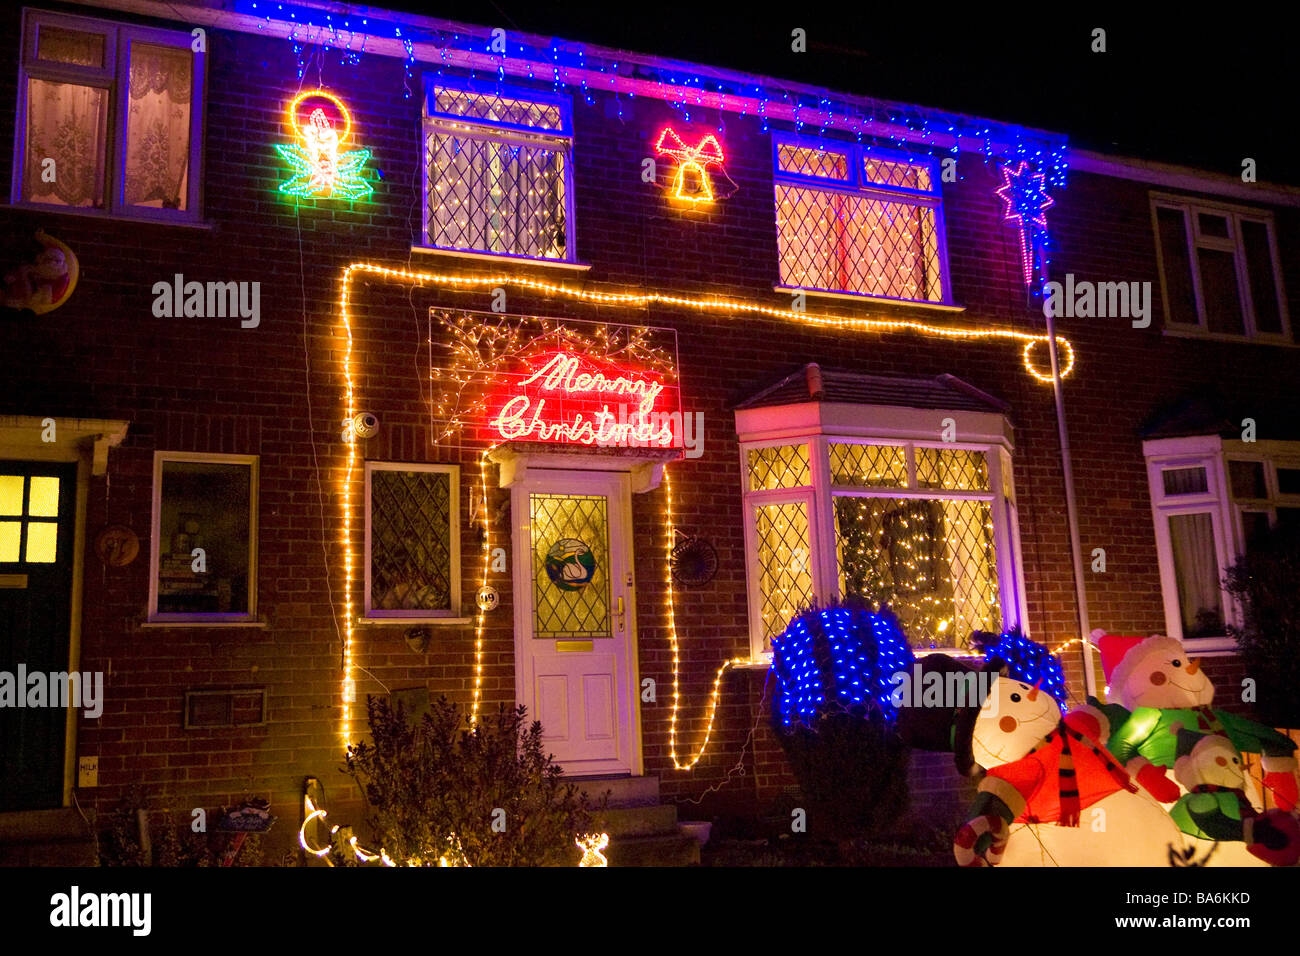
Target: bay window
[(923, 527)]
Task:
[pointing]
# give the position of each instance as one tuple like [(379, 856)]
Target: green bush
[(852, 772), (1266, 581), (482, 795)]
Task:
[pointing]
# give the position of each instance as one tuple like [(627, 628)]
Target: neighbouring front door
[(37, 517), (575, 652)]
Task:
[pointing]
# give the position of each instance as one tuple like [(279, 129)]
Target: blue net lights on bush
[(1027, 661), (842, 657)]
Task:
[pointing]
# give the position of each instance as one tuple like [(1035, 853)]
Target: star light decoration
[(321, 169), (1025, 193)]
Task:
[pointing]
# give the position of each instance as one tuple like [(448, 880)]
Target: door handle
[(622, 616)]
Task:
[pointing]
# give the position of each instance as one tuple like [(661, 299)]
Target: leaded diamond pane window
[(570, 546), (956, 469), (500, 182), (930, 561), (846, 243), (784, 563), (412, 538), (496, 109), (869, 465), (781, 466), (902, 175), (875, 230), (809, 161)]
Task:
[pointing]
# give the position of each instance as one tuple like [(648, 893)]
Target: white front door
[(575, 649)]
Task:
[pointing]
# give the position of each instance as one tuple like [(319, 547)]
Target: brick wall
[(208, 385)]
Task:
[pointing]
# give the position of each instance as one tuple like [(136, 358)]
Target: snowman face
[(1014, 718), (1166, 677), (1213, 760)]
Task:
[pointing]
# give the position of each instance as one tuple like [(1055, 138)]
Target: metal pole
[(1071, 510)]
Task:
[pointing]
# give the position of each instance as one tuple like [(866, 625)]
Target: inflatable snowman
[(1215, 807), (1160, 692), (1052, 794)]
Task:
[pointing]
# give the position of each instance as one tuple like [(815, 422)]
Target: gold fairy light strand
[(707, 303)]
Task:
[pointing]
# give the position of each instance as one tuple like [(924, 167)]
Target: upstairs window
[(498, 173), (1219, 270), (852, 219), (109, 119)]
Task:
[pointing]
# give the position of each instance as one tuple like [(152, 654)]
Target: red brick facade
[(206, 385)]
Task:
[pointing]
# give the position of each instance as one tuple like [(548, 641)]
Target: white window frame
[(890, 426), (1196, 240), (113, 77), (1213, 453), (419, 616), (856, 185), (206, 618), (471, 127)]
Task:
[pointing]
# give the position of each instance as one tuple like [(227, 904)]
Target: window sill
[(410, 621), (872, 299), (103, 214), (1187, 333), (219, 624), (504, 257), (1210, 646)]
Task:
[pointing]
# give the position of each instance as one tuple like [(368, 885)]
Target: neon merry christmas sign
[(320, 168), (577, 399)]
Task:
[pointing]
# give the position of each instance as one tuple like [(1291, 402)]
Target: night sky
[(1191, 89)]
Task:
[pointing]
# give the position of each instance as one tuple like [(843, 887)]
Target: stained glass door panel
[(570, 546)]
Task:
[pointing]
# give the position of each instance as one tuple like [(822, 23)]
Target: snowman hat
[(945, 729), (1117, 657), (1187, 741)]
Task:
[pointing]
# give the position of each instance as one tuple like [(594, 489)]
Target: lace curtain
[(65, 123), (158, 126)]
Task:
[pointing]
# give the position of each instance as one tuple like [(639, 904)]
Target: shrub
[(833, 717), (1266, 581), (436, 787)]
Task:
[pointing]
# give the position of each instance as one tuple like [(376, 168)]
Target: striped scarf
[(1067, 780)]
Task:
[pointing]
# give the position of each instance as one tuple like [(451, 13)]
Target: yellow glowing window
[(10, 534), (11, 494), (42, 542), (43, 497)]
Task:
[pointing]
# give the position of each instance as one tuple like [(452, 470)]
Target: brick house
[(251, 506)]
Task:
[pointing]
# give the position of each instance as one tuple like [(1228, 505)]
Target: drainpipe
[(1071, 509)]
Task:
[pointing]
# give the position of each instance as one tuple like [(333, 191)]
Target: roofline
[(1181, 177), (1000, 135)]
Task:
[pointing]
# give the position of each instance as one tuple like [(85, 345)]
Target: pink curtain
[(65, 123)]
